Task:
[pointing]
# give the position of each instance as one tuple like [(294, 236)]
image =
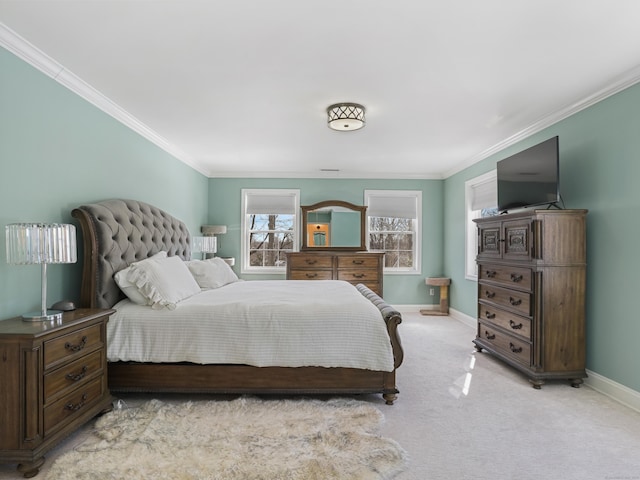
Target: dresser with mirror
[(334, 246)]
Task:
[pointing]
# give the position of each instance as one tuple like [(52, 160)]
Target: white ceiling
[(240, 87)]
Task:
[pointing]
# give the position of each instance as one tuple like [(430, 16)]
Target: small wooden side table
[(443, 283)]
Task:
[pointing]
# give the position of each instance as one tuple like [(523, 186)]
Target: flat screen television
[(530, 177)]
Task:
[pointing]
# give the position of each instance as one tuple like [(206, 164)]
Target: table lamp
[(41, 243)]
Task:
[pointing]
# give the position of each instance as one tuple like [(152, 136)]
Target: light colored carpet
[(463, 415), (241, 439)]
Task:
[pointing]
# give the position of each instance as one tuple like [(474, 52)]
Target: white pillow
[(212, 273), (131, 290), (165, 281)]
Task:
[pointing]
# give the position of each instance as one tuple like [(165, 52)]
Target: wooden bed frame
[(119, 232)]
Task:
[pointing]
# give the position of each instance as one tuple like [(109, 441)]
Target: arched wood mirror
[(333, 225)]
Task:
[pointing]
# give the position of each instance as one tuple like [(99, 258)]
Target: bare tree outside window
[(270, 237), (395, 237)]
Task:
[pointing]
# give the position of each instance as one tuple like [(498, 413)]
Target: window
[(481, 197), (393, 226), (269, 229)]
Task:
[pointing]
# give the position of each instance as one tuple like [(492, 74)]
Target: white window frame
[(471, 233), (294, 195), (417, 227)]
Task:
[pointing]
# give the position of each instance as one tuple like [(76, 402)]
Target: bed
[(120, 234)]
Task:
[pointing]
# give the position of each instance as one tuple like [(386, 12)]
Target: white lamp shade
[(213, 229), (37, 243)]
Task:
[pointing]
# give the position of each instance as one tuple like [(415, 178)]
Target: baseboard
[(463, 317), (614, 390), (597, 382)]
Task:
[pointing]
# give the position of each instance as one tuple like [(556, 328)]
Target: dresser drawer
[(310, 275), (72, 375), (360, 276), (505, 344), (515, 324), (74, 403), (516, 277), (311, 261), (72, 345), (357, 262), (510, 299)]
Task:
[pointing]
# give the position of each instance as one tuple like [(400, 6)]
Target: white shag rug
[(242, 439)]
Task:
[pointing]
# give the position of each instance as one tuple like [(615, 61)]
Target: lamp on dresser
[(41, 243)]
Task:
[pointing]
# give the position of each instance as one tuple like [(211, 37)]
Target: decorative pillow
[(165, 281), (212, 273), (131, 290)]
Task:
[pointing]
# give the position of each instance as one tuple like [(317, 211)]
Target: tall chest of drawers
[(53, 378), (531, 292), (353, 267)]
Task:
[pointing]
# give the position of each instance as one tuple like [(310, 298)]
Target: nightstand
[(53, 379)]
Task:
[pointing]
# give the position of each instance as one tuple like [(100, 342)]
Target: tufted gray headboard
[(117, 233)]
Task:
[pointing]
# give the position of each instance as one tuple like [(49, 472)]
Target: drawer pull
[(78, 376), (514, 325), (311, 275), (75, 407), (358, 275), (515, 349), (311, 261), (490, 336), (489, 315), (515, 301), (489, 294), (516, 278), (491, 273), (358, 262), (76, 348)]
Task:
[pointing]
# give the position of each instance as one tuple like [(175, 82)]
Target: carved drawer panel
[(510, 299), (515, 277), (505, 344), (72, 375), (311, 275), (72, 345), (515, 324), (76, 402)]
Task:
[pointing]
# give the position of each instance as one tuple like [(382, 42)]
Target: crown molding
[(341, 175), (618, 84), (35, 57)]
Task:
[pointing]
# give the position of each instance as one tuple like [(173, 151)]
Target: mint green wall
[(56, 152), (225, 208), (599, 171)]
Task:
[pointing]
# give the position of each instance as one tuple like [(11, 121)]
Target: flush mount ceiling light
[(345, 116)]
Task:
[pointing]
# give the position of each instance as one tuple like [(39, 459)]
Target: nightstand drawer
[(73, 375), (72, 345), (73, 404)]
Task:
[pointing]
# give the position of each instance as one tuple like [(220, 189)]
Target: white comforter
[(290, 323)]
